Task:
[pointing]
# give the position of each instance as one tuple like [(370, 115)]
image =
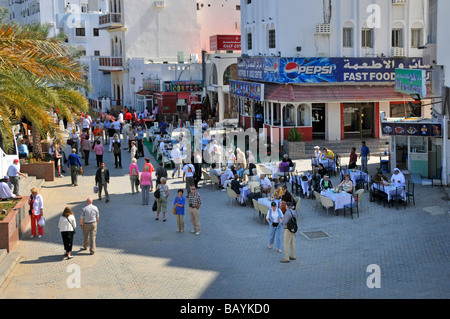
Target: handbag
[(69, 142), (95, 189), (275, 224), (74, 231), (157, 193), (174, 210), (154, 206), (80, 171), (137, 183)]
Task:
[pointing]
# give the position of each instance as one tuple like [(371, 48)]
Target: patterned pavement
[(139, 257)]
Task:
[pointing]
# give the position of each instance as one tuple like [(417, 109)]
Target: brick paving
[(139, 257)]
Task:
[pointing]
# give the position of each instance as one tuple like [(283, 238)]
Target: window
[(238, 7), (80, 32), (96, 53), (404, 109), (96, 32), (397, 38), (249, 1), (416, 38), (347, 41), (367, 38), (272, 42), (249, 41)]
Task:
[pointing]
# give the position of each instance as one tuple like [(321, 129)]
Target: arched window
[(230, 74)]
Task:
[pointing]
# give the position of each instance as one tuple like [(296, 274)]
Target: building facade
[(327, 67)]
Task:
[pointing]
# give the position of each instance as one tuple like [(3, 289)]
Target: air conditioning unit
[(398, 52), (160, 3), (398, 2), (323, 28)]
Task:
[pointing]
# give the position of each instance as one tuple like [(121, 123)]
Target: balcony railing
[(110, 61), (110, 20)]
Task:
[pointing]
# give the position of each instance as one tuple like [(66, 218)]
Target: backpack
[(292, 224), (116, 148)]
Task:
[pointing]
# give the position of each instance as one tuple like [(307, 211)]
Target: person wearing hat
[(378, 177), (13, 175), (325, 183), (274, 217), (289, 237)]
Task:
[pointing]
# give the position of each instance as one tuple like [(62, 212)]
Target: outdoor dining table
[(355, 175), (267, 201), (300, 181), (328, 164), (245, 190), (339, 199), (274, 167), (226, 175), (390, 190)]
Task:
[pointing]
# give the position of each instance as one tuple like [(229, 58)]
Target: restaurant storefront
[(325, 98)]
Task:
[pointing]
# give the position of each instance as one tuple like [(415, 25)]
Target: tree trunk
[(37, 147)]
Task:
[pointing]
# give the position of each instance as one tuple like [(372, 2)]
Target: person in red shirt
[(353, 159), (128, 117)]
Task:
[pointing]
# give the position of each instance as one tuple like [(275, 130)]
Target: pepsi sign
[(324, 70)]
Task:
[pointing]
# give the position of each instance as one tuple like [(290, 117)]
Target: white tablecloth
[(328, 164), (356, 175), (244, 193), (267, 202), (273, 167), (390, 191), (339, 199), (226, 175), (305, 184)]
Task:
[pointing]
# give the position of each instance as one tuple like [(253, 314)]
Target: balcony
[(110, 21), (398, 2), (111, 64), (398, 52)]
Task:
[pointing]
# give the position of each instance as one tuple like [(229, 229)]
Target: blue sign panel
[(324, 70), (247, 89)]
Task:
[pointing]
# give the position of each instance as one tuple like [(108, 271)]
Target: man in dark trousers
[(102, 181)]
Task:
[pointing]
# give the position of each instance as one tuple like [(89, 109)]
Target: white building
[(79, 20), (283, 37)]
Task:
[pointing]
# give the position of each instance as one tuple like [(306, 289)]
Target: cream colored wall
[(333, 121)]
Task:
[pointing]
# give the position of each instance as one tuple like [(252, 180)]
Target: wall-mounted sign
[(225, 43), (324, 70), (152, 85), (412, 129), (247, 89), (411, 81), (184, 86)]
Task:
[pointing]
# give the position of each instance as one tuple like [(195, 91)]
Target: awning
[(332, 93), (144, 92)]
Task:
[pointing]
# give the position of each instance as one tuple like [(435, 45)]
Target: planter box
[(43, 170), (14, 225), (295, 150)]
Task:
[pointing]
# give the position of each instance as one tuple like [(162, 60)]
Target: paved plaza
[(139, 257)]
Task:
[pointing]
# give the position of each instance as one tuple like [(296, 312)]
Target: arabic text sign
[(324, 70), (247, 89), (411, 82)]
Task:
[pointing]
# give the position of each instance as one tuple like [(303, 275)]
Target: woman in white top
[(398, 179), (274, 217), (177, 160), (36, 203), (231, 158), (317, 155), (67, 225)]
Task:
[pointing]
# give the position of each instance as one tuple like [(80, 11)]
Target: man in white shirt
[(188, 172), (86, 123), (176, 158), (13, 174), (265, 184)]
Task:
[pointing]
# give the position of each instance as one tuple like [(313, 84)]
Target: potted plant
[(42, 167), (294, 145), (14, 220)]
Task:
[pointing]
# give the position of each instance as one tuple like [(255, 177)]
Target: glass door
[(359, 120)]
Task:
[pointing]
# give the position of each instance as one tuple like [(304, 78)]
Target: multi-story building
[(328, 67)]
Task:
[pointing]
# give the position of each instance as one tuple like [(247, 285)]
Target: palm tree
[(37, 75)]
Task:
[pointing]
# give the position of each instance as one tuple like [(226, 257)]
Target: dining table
[(339, 199), (328, 164), (356, 175), (390, 190), (299, 181), (274, 167)]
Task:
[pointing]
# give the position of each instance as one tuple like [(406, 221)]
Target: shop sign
[(225, 43), (152, 85), (410, 81), (247, 89), (323, 70), (412, 129), (184, 86)]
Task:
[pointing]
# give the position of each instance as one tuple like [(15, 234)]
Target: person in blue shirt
[(179, 203), (163, 126), (23, 149), (74, 164), (364, 156)]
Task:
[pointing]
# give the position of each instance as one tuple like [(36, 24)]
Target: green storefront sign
[(410, 81)]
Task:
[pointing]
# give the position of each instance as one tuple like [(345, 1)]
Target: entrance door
[(359, 120), (318, 121)]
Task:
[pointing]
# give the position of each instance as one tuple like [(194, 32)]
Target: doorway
[(318, 121), (359, 120)]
